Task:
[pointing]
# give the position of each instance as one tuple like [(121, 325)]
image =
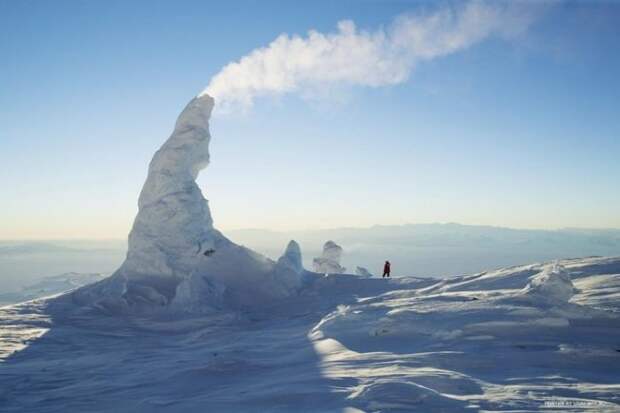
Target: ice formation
[(329, 261), (176, 258), (291, 259)]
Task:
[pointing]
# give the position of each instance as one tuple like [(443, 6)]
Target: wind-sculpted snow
[(176, 259), (504, 340)]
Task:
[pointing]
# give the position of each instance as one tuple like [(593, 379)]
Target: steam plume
[(353, 57)]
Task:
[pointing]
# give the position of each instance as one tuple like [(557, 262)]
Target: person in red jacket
[(386, 269)]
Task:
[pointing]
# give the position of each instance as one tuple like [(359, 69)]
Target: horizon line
[(285, 231)]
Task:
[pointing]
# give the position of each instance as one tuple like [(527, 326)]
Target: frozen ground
[(528, 338)]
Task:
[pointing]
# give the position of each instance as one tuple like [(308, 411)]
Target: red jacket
[(386, 268)]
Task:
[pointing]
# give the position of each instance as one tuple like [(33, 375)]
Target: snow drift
[(176, 258)]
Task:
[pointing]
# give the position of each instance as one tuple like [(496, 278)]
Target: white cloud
[(353, 57)]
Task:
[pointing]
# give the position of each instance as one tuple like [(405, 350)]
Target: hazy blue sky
[(520, 132)]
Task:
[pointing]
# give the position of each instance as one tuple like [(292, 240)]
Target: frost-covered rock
[(329, 261), (552, 283), (176, 258), (363, 272)]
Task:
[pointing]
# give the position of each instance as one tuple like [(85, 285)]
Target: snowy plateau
[(192, 322)]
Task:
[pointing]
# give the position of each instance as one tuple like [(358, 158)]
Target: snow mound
[(329, 261), (552, 283), (176, 258)]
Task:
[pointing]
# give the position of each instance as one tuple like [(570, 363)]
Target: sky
[(519, 130)]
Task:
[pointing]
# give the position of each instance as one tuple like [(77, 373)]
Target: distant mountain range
[(444, 235), (439, 249), (49, 286), (413, 249), (33, 248), (10, 248)]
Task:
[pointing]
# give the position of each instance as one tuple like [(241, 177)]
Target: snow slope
[(526, 338)]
